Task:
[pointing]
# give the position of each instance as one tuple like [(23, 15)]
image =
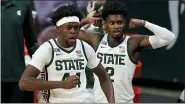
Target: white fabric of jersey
[(182, 96), (59, 66), (120, 69)]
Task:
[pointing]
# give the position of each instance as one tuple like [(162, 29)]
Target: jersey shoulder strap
[(52, 55), (83, 48)]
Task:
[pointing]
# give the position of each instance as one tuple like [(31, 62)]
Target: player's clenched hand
[(136, 23), (95, 21), (70, 82)]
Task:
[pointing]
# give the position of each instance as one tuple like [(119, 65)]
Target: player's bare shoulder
[(133, 47), (133, 43), (91, 38)]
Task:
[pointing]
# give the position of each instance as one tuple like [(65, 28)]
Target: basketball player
[(65, 59), (50, 33), (119, 53)]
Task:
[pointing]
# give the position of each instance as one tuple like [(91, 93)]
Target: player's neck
[(114, 42)]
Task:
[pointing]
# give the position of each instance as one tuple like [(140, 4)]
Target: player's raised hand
[(70, 82), (92, 20), (136, 23), (95, 21)]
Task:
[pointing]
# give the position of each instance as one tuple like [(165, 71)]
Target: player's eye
[(69, 27), (120, 23), (76, 27), (111, 23)]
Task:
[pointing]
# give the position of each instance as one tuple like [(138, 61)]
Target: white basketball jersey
[(65, 63), (120, 69)]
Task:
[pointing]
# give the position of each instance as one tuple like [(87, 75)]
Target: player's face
[(114, 25), (69, 32)]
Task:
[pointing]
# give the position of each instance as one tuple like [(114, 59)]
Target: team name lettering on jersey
[(115, 59), (77, 64)]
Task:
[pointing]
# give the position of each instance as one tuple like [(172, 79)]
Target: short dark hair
[(65, 11), (114, 7)]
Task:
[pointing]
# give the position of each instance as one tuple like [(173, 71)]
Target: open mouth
[(72, 39), (117, 32)]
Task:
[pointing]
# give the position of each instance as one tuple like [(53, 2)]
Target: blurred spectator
[(17, 25), (45, 8), (90, 8), (94, 9), (49, 32)]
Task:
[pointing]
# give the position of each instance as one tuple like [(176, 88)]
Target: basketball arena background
[(162, 71)]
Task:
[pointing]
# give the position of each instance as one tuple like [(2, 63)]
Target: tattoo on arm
[(89, 37), (144, 42)]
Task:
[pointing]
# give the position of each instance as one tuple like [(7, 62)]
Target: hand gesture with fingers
[(93, 20), (136, 23), (71, 82)]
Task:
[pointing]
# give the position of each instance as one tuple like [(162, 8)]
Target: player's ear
[(58, 28)]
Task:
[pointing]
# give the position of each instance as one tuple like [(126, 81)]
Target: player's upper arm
[(93, 61), (42, 56), (88, 37), (143, 41)]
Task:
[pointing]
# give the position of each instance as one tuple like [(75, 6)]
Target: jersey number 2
[(66, 75), (110, 71)]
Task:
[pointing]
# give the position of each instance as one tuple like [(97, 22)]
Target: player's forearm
[(162, 35), (33, 84), (108, 89), (84, 21), (105, 83)]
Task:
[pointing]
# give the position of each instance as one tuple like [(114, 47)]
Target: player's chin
[(117, 36), (71, 42)]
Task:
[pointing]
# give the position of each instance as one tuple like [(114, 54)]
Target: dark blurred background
[(162, 72)]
